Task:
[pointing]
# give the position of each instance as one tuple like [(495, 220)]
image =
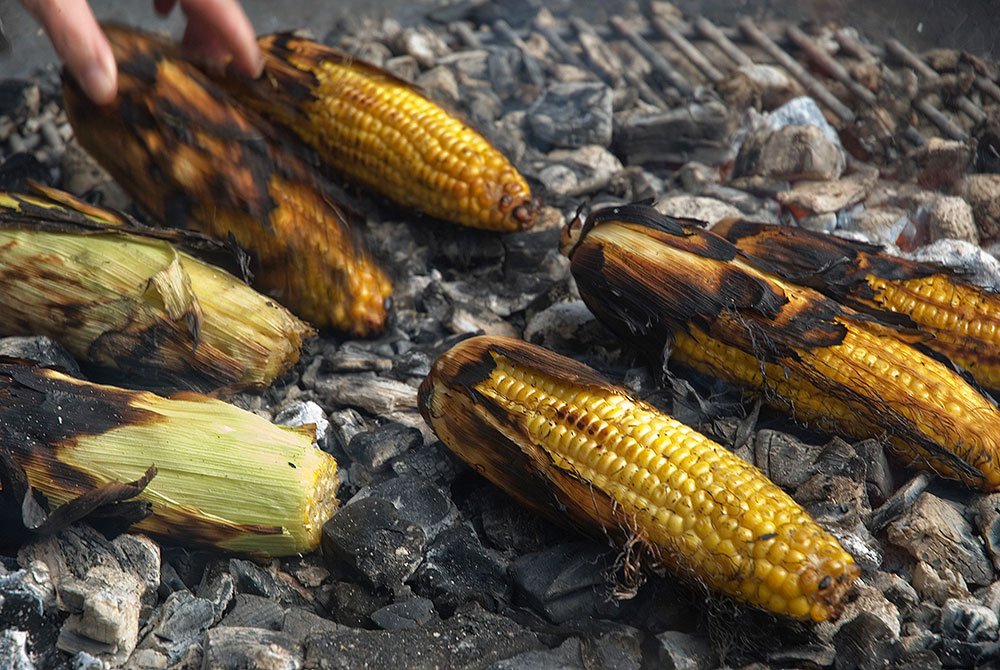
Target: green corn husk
[(134, 304), (226, 478)]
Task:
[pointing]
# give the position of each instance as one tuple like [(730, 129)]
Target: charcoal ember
[(786, 460), (807, 655), (968, 621), (440, 84), (236, 648), (473, 638), (701, 208), (405, 67), (802, 111), (957, 654), (982, 191), (572, 653), (696, 132), (249, 577), (352, 604), (950, 217), (376, 447), (897, 590), (178, 625), (434, 462), (867, 602), (41, 349), (424, 44), (587, 169), (509, 133), (976, 266), (366, 391), (683, 651), (29, 617), (900, 501), (101, 584), (937, 584), (502, 65), (990, 597), (875, 225), (878, 472), (937, 163), (857, 541), (483, 105), (932, 530), (987, 521), (472, 320), (418, 501), (566, 581), (564, 326), (823, 197), (300, 413), (457, 568), (789, 154), (469, 66), (372, 538), (525, 252), (413, 613), (758, 85), (299, 623), (250, 611), (14, 650), (507, 526), (19, 97), (987, 136), (866, 642), (573, 115), (218, 587)]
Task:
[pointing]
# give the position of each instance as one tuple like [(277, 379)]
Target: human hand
[(216, 29)]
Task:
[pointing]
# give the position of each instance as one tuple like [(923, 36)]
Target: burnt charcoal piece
[(41, 350), (681, 650), (418, 501), (300, 623), (900, 501), (787, 461), (472, 638), (253, 579), (919, 531), (968, 621), (573, 653), (414, 613), (459, 569), (26, 619), (232, 648), (865, 643), (573, 114), (567, 581), (372, 538), (693, 133), (249, 611), (374, 448), (179, 623), (352, 604)]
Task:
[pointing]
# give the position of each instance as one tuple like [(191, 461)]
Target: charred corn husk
[(383, 132), (226, 478), (548, 429), (962, 320), (134, 305), (193, 157), (651, 278)]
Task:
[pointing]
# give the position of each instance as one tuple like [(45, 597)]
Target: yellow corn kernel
[(194, 157), (512, 432), (826, 363), (375, 128)]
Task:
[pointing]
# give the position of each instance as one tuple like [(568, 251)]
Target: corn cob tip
[(558, 437)]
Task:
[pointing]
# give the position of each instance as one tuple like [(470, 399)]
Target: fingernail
[(99, 83)]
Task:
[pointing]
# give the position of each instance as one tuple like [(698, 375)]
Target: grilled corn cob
[(542, 426), (134, 304), (383, 132), (651, 278), (226, 478), (193, 157), (962, 320)]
